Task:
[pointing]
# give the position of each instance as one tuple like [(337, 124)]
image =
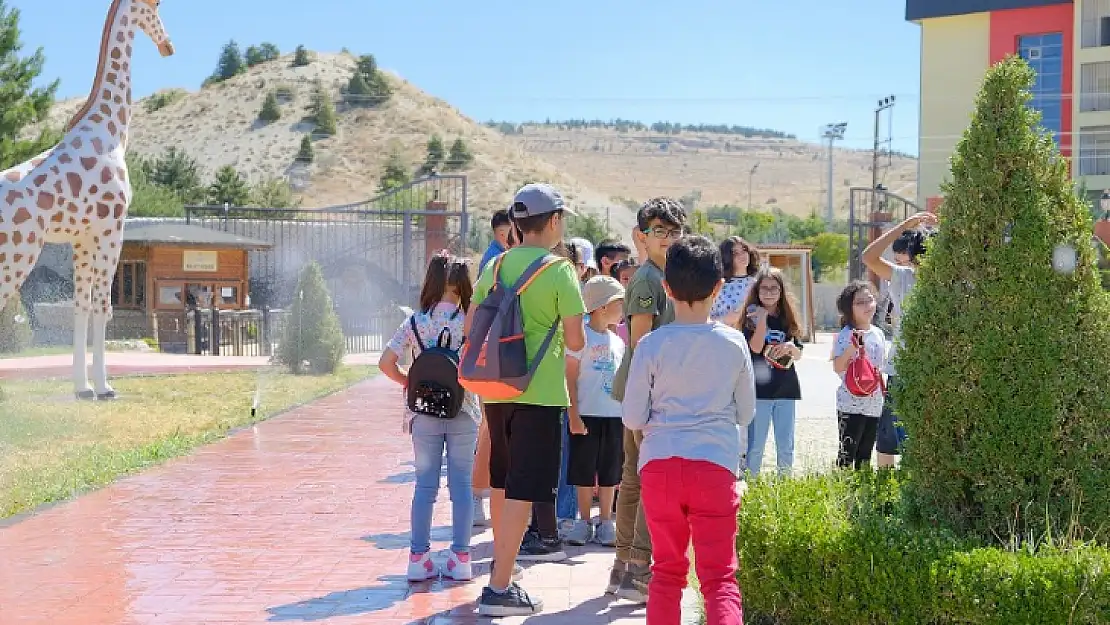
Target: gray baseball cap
[(538, 199)]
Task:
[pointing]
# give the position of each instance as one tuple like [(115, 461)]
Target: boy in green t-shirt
[(526, 433), (660, 222)]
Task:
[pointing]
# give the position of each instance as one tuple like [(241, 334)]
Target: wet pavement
[(300, 519)]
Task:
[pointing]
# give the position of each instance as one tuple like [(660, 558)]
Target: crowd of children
[(646, 382)]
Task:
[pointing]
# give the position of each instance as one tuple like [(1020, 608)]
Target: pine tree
[(367, 66), (177, 171), (253, 56), (358, 92), (229, 188), (269, 51), (395, 174), (231, 62), (313, 341), (300, 57), (306, 154), (460, 156), (324, 117), (271, 110), (21, 102), (1003, 373), (435, 155), (273, 193)]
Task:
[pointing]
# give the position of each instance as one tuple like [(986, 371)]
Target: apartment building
[(1067, 42)]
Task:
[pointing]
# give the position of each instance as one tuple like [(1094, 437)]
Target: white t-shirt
[(731, 299), (598, 362), (430, 325), (902, 280), (875, 344)]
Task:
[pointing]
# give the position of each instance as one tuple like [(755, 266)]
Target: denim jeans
[(566, 502), (430, 437), (780, 413)]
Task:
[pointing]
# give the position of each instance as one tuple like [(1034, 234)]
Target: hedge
[(841, 549)]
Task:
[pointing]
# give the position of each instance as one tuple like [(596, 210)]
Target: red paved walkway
[(302, 519)]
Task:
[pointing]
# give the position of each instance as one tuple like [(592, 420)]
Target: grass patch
[(40, 350), (53, 447)]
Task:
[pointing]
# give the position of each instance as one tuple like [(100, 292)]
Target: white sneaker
[(421, 567), (481, 518), (458, 567)]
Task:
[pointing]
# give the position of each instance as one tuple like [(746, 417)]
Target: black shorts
[(597, 454), (526, 447), (891, 436)]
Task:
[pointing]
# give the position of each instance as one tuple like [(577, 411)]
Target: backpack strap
[(497, 280), (534, 270), (416, 333)]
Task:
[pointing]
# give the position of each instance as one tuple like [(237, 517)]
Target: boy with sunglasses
[(660, 222)]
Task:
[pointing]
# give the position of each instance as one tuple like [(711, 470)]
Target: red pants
[(686, 499)]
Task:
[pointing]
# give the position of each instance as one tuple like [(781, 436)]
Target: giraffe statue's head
[(145, 13)]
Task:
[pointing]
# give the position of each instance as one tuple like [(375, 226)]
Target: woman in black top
[(772, 330)]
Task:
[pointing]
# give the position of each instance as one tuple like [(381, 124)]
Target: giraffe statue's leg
[(84, 279), (101, 314)]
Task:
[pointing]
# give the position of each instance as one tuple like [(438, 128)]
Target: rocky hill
[(602, 171)]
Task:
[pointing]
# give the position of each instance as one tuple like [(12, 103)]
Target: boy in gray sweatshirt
[(691, 390)]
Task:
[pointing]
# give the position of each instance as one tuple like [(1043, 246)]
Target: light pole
[(751, 174), (832, 132), (884, 104)]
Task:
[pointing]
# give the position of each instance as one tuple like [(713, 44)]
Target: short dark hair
[(693, 268), (499, 218), (666, 209), (608, 248), (728, 247), (532, 223), (621, 265)]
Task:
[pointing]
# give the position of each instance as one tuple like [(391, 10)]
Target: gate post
[(406, 254), (435, 229)]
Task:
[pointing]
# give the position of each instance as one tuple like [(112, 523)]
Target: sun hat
[(601, 290), (585, 252)]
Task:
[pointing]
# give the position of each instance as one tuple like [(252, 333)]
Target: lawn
[(53, 447)]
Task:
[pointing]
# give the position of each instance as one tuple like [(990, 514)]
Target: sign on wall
[(200, 261)]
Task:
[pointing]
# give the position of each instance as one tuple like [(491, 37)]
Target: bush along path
[(1001, 510)]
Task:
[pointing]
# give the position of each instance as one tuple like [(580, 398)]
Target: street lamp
[(751, 174), (831, 133)]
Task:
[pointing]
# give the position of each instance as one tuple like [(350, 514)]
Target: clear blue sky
[(791, 65)]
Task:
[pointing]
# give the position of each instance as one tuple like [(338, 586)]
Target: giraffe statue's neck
[(109, 103)]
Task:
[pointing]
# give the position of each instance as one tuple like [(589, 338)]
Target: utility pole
[(751, 174), (884, 104), (832, 133)]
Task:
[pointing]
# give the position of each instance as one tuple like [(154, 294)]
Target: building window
[(1095, 24), (1094, 87), (1094, 151), (1045, 54), (129, 287)]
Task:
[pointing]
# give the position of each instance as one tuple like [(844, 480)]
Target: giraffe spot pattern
[(65, 159), (22, 215), (45, 200), (39, 180), (17, 239), (75, 183)]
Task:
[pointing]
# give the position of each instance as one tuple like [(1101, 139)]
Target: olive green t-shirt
[(644, 295), (553, 296)]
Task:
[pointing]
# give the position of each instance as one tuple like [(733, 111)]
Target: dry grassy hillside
[(599, 170), (218, 126), (791, 174)]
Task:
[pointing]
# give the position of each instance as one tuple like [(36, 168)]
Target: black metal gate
[(372, 253), (871, 211)]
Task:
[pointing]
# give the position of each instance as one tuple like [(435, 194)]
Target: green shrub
[(271, 110), (306, 154), (324, 113), (839, 549), (162, 99), (1004, 375), (313, 341), (15, 326)]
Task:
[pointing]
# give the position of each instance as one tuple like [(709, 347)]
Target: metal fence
[(373, 254), (870, 212)]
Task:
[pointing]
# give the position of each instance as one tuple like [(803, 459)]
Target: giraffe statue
[(78, 193)]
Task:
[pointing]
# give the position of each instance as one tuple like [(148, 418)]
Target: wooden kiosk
[(796, 265), (167, 268)]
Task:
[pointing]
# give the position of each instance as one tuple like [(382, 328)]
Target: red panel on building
[(1008, 26)]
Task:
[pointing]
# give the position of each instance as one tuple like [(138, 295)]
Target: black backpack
[(434, 388)]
